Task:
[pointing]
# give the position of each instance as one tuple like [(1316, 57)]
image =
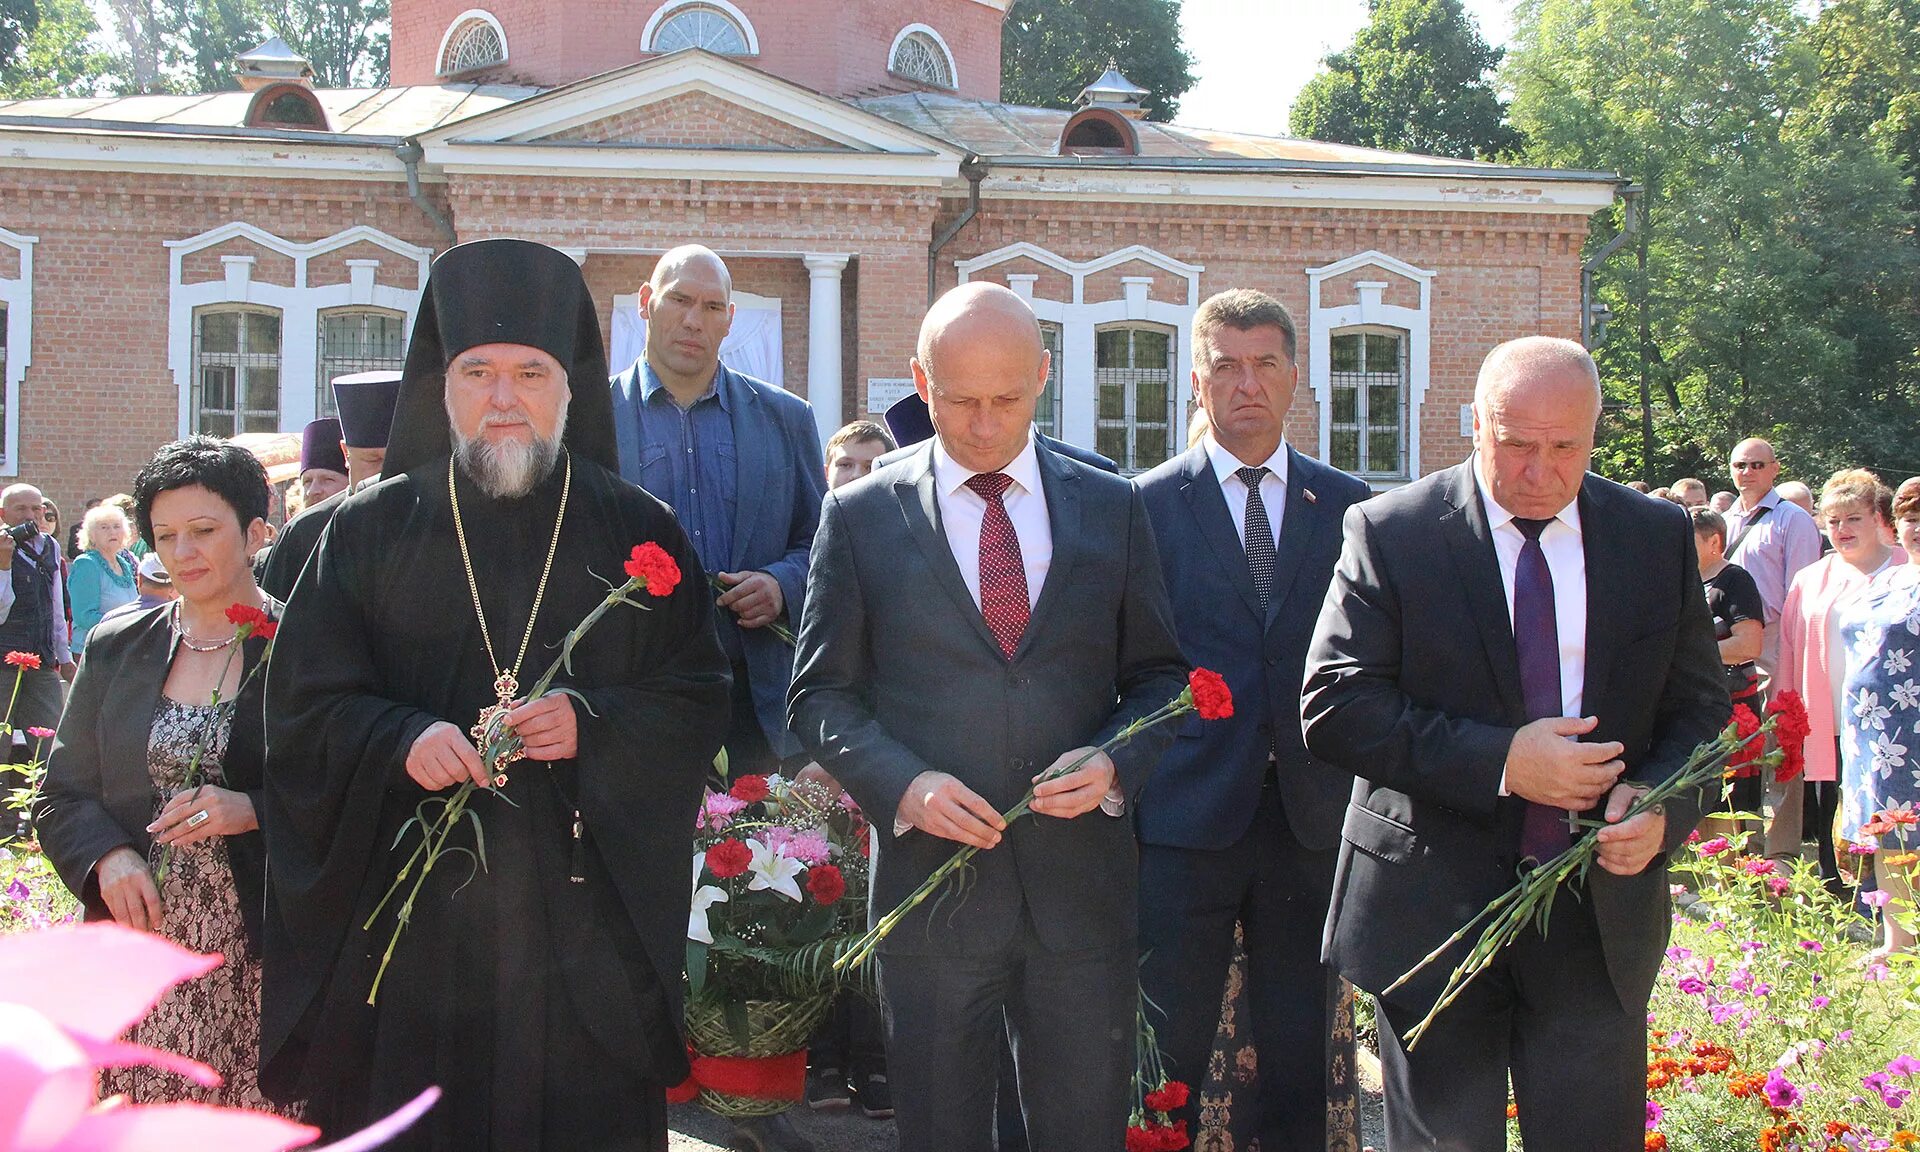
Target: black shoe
[(876, 1099), (827, 1088), (769, 1134)]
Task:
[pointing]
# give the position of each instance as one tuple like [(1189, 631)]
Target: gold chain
[(507, 676)]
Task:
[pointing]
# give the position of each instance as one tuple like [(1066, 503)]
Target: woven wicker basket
[(774, 1028)]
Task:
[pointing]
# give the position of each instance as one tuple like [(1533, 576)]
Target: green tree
[(1051, 49), (47, 49), (345, 40), (1774, 242), (1417, 78)]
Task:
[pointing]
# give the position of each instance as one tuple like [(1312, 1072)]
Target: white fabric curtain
[(753, 346)]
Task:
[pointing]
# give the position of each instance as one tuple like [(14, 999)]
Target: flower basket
[(772, 1034)]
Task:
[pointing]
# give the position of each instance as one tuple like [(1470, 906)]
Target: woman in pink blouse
[(1856, 512)]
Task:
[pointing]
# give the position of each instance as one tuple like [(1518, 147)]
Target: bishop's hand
[(442, 757), (547, 727)]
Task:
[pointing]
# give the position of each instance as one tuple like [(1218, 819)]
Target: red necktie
[(1003, 574)]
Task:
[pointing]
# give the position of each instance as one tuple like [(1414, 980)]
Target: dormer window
[(474, 41), (286, 106), (1098, 132), (921, 56), (715, 26)]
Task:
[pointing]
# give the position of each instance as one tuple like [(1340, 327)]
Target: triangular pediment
[(692, 100)]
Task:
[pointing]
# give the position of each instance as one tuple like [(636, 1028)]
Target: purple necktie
[(1536, 637)]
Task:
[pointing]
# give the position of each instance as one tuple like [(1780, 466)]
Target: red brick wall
[(696, 119), (99, 397), (834, 46)]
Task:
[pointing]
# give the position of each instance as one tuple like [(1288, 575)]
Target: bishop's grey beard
[(511, 468)]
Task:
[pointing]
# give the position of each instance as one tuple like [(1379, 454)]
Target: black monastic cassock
[(365, 401), (546, 1010)]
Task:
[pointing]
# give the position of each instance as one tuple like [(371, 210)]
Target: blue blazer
[(1205, 790), (782, 479)]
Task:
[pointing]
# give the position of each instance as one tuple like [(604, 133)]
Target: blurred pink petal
[(378, 1133), (94, 980), (113, 1054), (46, 1083), (152, 1128)]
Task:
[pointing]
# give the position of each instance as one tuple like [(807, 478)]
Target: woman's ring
[(197, 819)]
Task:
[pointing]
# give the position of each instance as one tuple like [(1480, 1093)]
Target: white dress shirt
[(1567, 561), (963, 511), (1273, 486)]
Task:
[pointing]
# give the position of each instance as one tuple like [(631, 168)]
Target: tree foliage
[(1417, 78), (190, 45), (47, 49), (1051, 49), (1779, 297)]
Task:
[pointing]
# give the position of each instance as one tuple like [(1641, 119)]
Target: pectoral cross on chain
[(505, 687)]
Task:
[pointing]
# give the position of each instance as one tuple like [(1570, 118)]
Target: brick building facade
[(183, 263)]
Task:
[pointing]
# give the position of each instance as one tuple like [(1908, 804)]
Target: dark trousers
[(851, 1038), (1072, 1019), (1278, 890), (1821, 804), (1546, 1012), (748, 752)]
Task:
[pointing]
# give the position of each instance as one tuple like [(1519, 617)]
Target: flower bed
[(34, 896)]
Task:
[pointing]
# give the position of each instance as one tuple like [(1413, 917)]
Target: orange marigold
[(1656, 1142), (1513, 1111)]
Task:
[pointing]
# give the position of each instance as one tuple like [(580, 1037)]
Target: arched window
[(357, 340), (474, 40), (1367, 434), (1098, 132), (717, 27), (919, 54), (236, 371), (1133, 391), (286, 106)]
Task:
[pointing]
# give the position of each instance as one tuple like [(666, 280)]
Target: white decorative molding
[(299, 304), (1370, 310), (1079, 318), (17, 294), (953, 69), (824, 335), (666, 10), (480, 14)]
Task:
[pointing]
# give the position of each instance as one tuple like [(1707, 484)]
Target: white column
[(823, 340)]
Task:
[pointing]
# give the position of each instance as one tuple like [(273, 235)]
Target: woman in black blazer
[(148, 770)]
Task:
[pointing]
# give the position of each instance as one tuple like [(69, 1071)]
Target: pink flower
[(1713, 847), (718, 811), (1812, 946), (1778, 885), (1760, 867), (1818, 1002), (40, 733), (1654, 1113), (809, 847), (1903, 1066), (1781, 1092)]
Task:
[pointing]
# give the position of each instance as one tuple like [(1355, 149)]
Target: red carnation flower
[(1173, 1137), (1169, 1097), (1790, 731), (657, 572), (254, 621), (826, 883), (23, 660), (1211, 697), (1745, 724), (749, 789), (728, 859), (1143, 1137)]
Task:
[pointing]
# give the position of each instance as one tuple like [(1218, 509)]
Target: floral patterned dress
[(216, 1018), (1880, 733)]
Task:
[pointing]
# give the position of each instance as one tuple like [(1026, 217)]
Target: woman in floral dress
[(148, 811), (1880, 737)]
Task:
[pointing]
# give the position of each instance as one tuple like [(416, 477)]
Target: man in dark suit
[(1504, 641), (977, 614), (907, 419), (739, 461), (1239, 823)]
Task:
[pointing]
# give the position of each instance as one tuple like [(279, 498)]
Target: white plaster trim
[(953, 69), (1411, 191), (17, 295), (299, 304), (92, 150), (1079, 319), (1370, 311), (480, 14), (666, 10), (694, 164)]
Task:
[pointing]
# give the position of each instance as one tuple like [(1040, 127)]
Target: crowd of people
[(930, 615)]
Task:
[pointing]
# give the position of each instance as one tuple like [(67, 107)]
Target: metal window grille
[(475, 44), (699, 26), (1046, 414), (1133, 386), (919, 58), (1367, 428), (236, 371), (357, 340)]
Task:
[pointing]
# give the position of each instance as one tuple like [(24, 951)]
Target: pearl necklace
[(180, 633)]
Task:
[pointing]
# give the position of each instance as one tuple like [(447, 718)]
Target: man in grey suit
[(976, 614)]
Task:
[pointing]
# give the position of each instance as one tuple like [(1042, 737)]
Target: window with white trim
[(1046, 414), (701, 26), (920, 57), (357, 340), (3, 365), (236, 371), (1133, 388), (475, 44), (1367, 433)]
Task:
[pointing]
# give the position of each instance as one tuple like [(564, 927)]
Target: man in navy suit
[(1239, 823), (739, 461)]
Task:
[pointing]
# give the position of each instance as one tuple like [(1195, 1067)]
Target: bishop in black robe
[(541, 992)]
